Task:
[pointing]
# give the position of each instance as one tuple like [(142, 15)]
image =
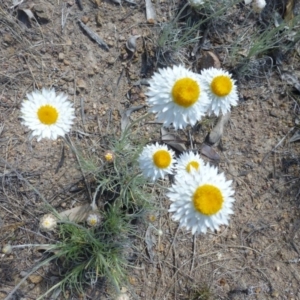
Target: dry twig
[(93, 35), (150, 12), (79, 3)]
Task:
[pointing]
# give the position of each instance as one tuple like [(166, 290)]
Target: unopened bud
[(109, 156)]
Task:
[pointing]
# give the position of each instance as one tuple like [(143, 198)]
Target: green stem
[(127, 185)]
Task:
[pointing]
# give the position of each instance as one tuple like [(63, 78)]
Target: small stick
[(118, 82), (62, 158), (79, 3), (150, 12), (194, 254), (63, 19), (132, 2), (191, 140), (69, 143), (82, 110), (16, 4), (93, 35)]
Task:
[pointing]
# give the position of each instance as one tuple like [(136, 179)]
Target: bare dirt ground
[(255, 257)]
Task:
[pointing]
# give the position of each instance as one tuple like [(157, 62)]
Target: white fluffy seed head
[(258, 5), (160, 232), (93, 220), (48, 222), (196, 3), (7, 249)]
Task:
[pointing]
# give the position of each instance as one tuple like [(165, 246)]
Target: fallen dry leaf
[(207, 60), (172, 140), (77, 214), (289, 11), (216, 134), (209, 152)]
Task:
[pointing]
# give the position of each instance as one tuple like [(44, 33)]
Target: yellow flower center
[(221, 85), (192, 164), (93, 222), (185, 92), (47, 114), (208, 199), (47, 223), (162, 159), (152, 218)]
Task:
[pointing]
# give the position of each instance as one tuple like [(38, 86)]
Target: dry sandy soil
[(256, 256)]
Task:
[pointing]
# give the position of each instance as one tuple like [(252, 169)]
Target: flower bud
[(109, 156)]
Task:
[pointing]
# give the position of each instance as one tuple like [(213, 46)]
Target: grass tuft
[(86, 255)]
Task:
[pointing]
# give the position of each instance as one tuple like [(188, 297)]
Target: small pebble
[(7, 38), (35, 278), (111, 61), (23, 273), (85, 19), (81, 84), (61, 56), (99, 19)]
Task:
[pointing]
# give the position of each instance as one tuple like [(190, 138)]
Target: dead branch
[(93, 35)]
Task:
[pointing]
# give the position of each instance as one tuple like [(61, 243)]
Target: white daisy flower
[(189, 161), (48, 115), (48, 222), (201, 200), (176, 95), (156, 161), (7, 249), (221, 90)]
